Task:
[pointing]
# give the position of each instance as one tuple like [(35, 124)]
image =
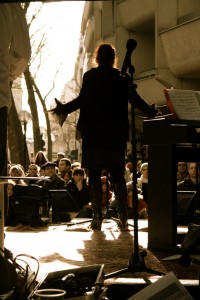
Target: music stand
[(136, 261)]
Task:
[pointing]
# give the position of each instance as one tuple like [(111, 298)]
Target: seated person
[(142, 206), (41, 172), (128, 171), (32, 172), (17, 171), (106, 195), (190, 182), (142, 181), (67, 175), (182, 171), (79, 190), (9, 213), (63, 166), (59, 156), (144, 175), (55, 182), (139, 163)]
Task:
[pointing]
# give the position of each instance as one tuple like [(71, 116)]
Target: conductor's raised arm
[(61, 111)]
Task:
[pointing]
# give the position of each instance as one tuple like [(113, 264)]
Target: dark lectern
[(169, 141)]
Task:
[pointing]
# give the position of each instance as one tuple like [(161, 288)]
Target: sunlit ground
[(63, 247)]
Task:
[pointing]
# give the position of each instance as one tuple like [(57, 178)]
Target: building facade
[(168, 46)]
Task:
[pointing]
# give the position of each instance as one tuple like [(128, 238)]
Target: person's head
[(10, 187), (60, 155), (192, 170), (144, 169), (41, 172), (40, 156), (64, 164), (78, 174), (105, 54), (139, 163), (129, 165), (105, 183), (67, 175), (75, 165), (8, 167), (49, 169), (182, 167), (16, 171), (33, 170)]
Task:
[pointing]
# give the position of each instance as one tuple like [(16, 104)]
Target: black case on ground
[(28, 205), (187, 205), (62, 204)]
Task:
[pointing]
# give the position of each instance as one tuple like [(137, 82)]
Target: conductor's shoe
[(96, 223), (122, 224)]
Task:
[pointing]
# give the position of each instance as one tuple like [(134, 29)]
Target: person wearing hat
[(59, 156), (55, 182)]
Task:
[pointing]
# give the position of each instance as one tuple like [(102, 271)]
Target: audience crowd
[(63, 174)]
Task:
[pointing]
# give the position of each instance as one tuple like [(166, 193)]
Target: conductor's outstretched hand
[(58, 112)]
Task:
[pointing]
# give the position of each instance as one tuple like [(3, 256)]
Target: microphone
[(130, 46)]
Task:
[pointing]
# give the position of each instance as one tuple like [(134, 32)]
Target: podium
[(168, 141)]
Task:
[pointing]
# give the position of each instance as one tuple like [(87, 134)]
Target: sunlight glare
[(61, 22)]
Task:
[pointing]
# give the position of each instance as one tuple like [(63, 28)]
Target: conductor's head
[(105, 55)]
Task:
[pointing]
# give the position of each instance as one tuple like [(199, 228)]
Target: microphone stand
[(136, 261)]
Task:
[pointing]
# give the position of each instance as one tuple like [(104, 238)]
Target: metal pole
[(25, 146), (2, 214)]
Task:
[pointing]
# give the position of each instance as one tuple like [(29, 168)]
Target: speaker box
[(186, 207), (63, 205), (28, 204)]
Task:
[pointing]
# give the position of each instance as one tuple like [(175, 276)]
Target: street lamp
[(25, 118)]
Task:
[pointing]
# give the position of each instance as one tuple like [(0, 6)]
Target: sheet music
[(186, 103)]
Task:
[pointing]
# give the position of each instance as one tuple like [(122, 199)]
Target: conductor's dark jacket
[(103, 121)]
